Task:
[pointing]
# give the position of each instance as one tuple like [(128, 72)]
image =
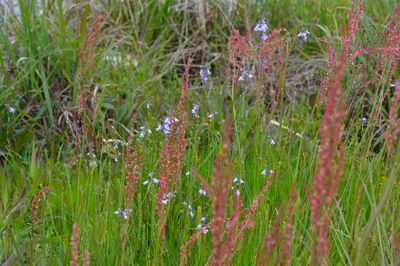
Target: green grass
[(39, 63)]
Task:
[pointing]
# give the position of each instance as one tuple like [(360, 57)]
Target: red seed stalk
[(396, 248), (74, 245), (133, 167), (330, 156), (287, 231), (171, 156), (34, 206), (87, 66), (227, 232), (86, 258), (394, 122)]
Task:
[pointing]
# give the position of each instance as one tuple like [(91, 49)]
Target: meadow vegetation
[(197, 132)]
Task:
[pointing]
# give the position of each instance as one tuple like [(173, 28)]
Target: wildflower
[(187, 174), (10, 109), (143, 131), (272, 141), (205, 74), (261, 26), (167, 197), (123, 212), (93, 160), (146, 182), (237, 193), (199, 226), (264, 37), (264, 172), (203, 219), (195, 110), (238, 181), (191, 214), (304, 35), (166, 126), (364, 120), (202, 192), (246, 74), (212, 115), (148, 105), (272, 172), (156, 181)]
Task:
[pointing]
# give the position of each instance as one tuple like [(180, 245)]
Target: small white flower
[(199, 226), (165, 201), (191, 214), (241, 181), (187, 174), (212, 115), (118, 211), (151, 174), (146, 182), (272, 142), (156, 181), (202, 192), (148, 105), (205, 231)]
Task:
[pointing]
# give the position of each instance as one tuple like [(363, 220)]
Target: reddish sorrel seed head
[(74, 245)]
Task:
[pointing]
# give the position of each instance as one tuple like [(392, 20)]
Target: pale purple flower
[(143, 131), (304, 35), (264, 37), (203, 219), (202, 192), (364, 120), (123, 212), (156, 181), (264, 172), (10, 109), (261, 26), (272, 141), (205, 74), (237, 193), (167, 197), (166, 126), (195, 110), (199, 226), (246, 74)]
